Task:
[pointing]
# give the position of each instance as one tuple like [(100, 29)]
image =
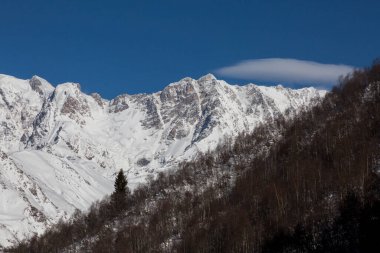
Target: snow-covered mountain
[(60, 148)]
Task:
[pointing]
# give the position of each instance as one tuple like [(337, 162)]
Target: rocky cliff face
[(60, 148)]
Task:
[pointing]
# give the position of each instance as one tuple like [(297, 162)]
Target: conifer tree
[(120, 183), (119, 196)]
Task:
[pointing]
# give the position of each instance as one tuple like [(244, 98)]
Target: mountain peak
[(40, 85), (35, 77), (207, 77), (68, 88)]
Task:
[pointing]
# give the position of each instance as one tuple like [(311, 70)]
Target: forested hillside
[(305, 185)]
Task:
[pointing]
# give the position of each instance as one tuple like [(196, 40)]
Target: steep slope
[(61, 147)]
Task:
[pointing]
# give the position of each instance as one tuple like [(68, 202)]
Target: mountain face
[(60, 148)]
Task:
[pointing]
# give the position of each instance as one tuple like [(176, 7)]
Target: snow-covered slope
[(60, 148)]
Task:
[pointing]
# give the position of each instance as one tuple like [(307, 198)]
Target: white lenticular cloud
[(286, 70)]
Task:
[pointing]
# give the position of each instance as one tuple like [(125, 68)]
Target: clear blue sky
[(115, 47)]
